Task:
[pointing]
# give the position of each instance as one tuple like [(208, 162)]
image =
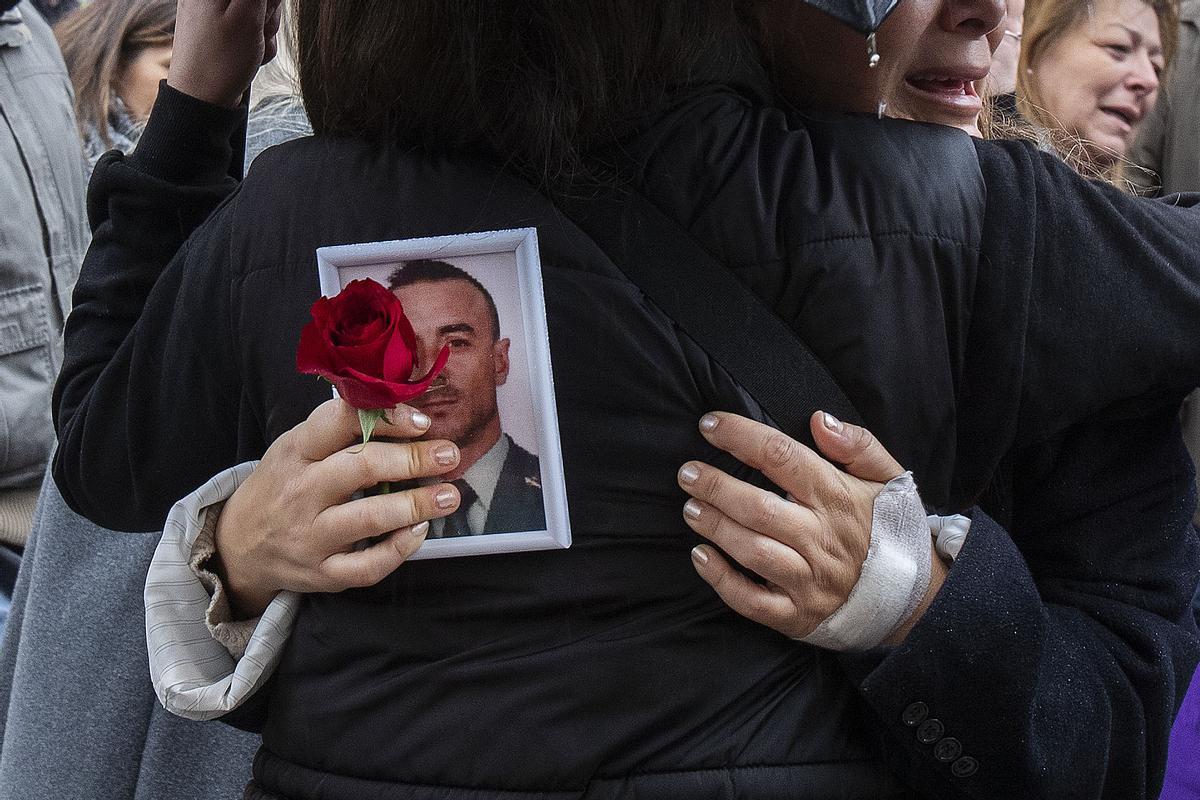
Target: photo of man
[(499, 481)]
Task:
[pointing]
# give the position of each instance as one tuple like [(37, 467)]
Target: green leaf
[(367, 419)]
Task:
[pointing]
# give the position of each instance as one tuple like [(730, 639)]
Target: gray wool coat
[(78, 716)]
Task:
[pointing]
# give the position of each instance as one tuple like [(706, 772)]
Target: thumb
[(854, 447)]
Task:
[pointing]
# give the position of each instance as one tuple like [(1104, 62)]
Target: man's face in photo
[(461, 402)]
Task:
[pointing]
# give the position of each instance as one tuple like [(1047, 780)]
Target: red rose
[(361, 342)]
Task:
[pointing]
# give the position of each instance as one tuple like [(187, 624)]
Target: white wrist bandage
[(895, 575)]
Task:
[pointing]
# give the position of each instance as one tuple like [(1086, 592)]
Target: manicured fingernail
[(446, 455), (692, 509), (689, 473), (419, 530), (708, 422), (699, 556), (420, 421), (446, 498), (831, 422)]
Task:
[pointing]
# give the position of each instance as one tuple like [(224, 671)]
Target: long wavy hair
[(99, 41)]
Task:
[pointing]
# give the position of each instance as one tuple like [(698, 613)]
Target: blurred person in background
[(77, 712), (42, 239), (1089, 74), (68, 729), (116, 51)]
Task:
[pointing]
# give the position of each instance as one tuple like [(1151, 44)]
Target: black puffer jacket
[(968, 297)]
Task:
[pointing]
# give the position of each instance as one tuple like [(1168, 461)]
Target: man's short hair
[(428, 270)]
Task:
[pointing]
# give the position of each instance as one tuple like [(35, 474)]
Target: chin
[(1106, 149)]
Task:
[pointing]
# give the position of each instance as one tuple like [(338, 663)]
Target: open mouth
[(947, 98), (1126, 116), (949, 87)]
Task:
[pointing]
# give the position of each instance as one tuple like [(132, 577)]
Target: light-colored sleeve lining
[(189, 636)]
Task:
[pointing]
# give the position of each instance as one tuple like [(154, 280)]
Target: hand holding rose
[(809, 547), (293, 525)]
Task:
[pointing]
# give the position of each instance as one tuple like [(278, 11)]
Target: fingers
[(334, 425), (367, 567), (381, 514), (748, 506), (766, 605), (790, 465), (763, 554), (361, 467), (854, 447)]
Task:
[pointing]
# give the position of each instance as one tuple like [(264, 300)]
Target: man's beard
[(443, 394)]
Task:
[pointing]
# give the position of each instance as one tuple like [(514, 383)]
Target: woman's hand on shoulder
[(219, 45), (809, 547), (293, 525)]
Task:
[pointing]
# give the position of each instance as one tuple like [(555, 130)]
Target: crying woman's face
[(934, 55)]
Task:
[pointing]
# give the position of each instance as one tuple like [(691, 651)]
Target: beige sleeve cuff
[(233, 635)]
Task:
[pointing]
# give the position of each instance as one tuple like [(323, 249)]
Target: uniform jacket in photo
[(517, 503)]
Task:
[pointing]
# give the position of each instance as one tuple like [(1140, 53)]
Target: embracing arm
[(1055, 655), (1124, 268), (142, 209), (1048, 662)]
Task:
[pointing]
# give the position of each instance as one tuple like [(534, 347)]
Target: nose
[(975, 18), (423, 359), (1143, 77)]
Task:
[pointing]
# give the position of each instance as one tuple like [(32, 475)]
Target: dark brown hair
[(99, 40), (539, 83), (428, 270)]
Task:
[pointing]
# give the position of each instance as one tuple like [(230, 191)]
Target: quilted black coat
[(1017, 337)]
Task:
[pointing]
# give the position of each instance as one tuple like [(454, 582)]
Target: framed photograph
[(480, 294)]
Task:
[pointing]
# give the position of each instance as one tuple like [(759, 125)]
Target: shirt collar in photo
[(483, 476)]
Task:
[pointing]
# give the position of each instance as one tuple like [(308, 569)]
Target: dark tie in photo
[(456, 523)]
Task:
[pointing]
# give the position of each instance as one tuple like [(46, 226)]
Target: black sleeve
[(1114, 291), (1054, 658), (123, 372)]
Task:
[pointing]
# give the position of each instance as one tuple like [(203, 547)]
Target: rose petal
[(422, 384), (314, 355), (361, 341), (398, 359)]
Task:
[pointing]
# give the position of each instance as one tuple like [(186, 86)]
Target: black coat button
[(915, 714), (964, 767), (930, 731), (947, 750)]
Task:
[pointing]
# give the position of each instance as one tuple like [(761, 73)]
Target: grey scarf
[(123, 132)]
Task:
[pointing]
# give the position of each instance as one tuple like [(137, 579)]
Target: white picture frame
[(507, 265)]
